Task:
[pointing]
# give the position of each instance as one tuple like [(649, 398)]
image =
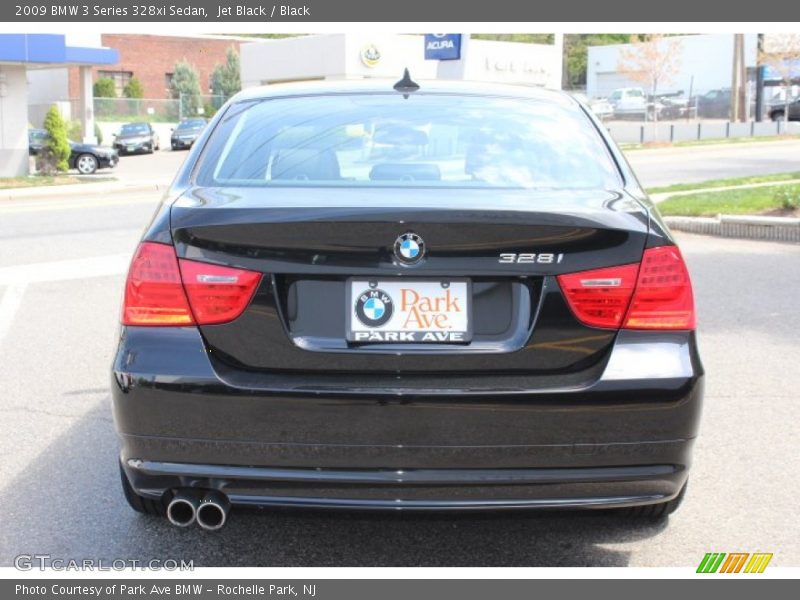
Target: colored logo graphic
[(409, 248), (734, 562), (370, 55), (374, 307)]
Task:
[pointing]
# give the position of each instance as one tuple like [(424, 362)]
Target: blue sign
[(442, 46)]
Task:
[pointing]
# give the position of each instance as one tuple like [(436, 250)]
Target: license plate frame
[(459, 288)]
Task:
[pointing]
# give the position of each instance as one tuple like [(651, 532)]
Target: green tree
[(226, 79), (133, 89), (185, 86), (105, 88), (54, 156)]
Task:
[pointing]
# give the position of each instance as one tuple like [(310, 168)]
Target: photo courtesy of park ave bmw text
[(314, 295)]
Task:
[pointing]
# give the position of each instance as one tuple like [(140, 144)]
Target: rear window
[(133, 128), (381, 140), (191, 124)]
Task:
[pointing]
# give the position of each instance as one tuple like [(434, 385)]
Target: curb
[(78, 189), (775, 229)]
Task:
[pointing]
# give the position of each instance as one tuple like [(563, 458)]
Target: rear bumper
[(622, 439), (423, 489)]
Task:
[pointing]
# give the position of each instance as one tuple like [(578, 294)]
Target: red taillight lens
[(600, 297), (654, 295), (663, 297), (164, 291), (217, 294), (153, 292)]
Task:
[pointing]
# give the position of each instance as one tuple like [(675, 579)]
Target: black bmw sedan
[(436, 297), (187, 132)]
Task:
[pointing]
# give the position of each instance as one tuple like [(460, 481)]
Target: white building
[(357, 56), (21, 56), (705, 63)]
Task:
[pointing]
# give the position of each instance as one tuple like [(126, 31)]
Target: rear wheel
[(654, 511), (138, 503), (777, 115)]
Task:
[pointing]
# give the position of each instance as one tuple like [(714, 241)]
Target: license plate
[(129, 148), (411, 312)]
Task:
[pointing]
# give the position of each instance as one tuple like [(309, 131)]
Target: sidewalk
[(81, 189)]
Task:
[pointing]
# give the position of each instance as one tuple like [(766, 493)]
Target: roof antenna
[(406, 85)]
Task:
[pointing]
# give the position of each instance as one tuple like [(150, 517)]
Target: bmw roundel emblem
[(374, 307), (409, 248)]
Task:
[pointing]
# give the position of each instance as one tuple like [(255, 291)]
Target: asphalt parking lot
[(61, 274)]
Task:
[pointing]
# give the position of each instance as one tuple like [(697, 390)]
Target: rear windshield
[(134, 128), (384, 140), (191, 124)]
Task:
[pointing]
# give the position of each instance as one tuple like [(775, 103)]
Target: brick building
[(151, 59)]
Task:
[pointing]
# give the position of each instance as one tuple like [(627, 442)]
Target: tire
[(86, 164), (777, 115), (654, 511), (142, 505)]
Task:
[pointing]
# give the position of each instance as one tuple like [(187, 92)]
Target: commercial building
[(704, 63), (22, 57), (364, 55), (152, 58)]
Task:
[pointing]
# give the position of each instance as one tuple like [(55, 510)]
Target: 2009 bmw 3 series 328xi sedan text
[(370, 296)]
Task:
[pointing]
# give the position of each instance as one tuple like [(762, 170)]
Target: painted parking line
[(9, 303), (65, 270), (16, 279), (28, 206)]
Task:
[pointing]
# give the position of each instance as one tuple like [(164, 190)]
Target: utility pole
[(738, 80), (743, 105)]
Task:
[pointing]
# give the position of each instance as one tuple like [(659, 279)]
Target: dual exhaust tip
[(208, 508)]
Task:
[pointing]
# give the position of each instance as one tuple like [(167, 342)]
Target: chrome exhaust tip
[(212, 513), (182, 509)]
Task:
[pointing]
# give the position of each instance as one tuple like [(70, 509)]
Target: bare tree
[(781, 52), (651, 60)]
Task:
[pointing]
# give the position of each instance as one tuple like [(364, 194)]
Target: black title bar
[(440, 11)]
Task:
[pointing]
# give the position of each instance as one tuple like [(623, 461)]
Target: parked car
[(629, 102), (36, 139), (672, 105), (777, 112), (599, 106), (187, 131), (87, 158), (135, 138), (484, 313), (714, 104)]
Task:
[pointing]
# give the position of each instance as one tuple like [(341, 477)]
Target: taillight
[(663, 297), (217, 294), (153, 292), (163, 291), (600, 297), (656, 294)]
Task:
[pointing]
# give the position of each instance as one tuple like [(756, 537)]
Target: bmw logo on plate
[(409, 248), (374, 307)]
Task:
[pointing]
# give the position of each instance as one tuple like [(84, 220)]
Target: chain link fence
[(157, 110)]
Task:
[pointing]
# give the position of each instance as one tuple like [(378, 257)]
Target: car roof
[(377, 86)]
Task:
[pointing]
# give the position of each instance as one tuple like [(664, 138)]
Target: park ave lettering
[(427, 312), (266, 12)]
